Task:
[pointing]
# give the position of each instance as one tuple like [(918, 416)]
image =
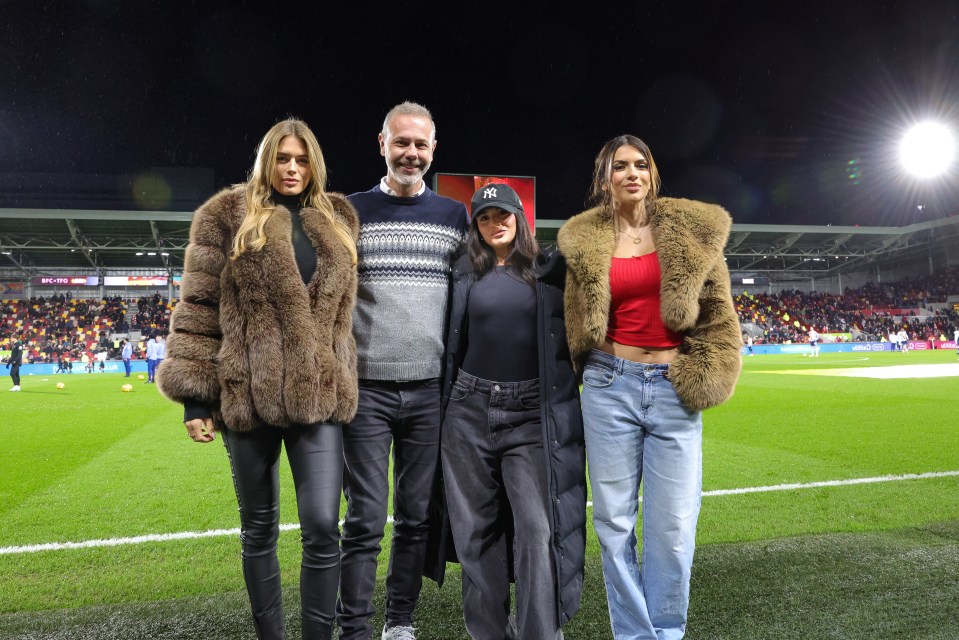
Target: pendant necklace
[(635, 239)]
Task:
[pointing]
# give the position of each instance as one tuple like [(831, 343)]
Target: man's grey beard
[(405, 179)]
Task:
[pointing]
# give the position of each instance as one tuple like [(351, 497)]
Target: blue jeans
[(639, 431), (127, 367), (151, 369), (494, 469)]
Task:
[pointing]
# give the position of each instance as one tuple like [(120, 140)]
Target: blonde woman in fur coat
[(654, 335), (262, 352)]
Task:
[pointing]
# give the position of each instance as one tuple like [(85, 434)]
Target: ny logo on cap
[(489, 193)]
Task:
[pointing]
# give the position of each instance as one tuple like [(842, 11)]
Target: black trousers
[(15, 374), (404, 416), (315, 453), (494, 468)]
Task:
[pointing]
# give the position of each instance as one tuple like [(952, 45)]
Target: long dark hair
[(521, 258)]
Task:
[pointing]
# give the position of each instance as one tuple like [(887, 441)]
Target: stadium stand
[(835, 278), (60, 327), (919, 306)]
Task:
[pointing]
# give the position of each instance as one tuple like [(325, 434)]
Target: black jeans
[(494, 470), (404, 415), (315, 453)]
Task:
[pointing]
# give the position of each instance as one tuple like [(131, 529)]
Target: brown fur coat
[(695, 295), (248, 338)]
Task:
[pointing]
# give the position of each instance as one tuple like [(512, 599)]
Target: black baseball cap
[(495, 194)]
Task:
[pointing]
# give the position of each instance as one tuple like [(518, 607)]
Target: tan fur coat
[(252, 341), (695, 293)]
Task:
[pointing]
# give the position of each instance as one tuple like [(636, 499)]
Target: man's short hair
[(408, 109)]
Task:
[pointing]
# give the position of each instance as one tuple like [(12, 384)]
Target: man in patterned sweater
[(407, 233)]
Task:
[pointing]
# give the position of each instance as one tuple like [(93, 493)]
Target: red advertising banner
[(135, 281)]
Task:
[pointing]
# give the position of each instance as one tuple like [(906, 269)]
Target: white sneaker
[(15, 387), (398, 633)]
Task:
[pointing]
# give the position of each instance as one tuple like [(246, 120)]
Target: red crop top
[(634, 314)]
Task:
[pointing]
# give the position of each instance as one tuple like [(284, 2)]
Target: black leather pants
[(315, 453)]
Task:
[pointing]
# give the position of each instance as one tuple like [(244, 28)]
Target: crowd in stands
[(151, 314), (868, 313), (61, 329)]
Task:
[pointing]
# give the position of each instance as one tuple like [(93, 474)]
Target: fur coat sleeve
[(189, 372), (695, 295), (249, 338)]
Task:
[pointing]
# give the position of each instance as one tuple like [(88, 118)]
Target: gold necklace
[(636, 239)]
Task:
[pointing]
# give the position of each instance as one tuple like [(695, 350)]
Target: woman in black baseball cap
[(512, 440)]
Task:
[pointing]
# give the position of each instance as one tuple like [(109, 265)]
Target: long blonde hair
[(259, 189)]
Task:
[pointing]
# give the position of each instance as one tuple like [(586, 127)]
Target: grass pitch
[(865, 546)]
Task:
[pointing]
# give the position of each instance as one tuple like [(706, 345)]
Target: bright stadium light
[(927, 149)]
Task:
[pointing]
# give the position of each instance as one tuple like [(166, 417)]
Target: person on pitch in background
[(407, 236), (813, 343), (513, 455), (14, 362), (262, 351), (653, 332), (126, 354), (152, 349), (160, 352)]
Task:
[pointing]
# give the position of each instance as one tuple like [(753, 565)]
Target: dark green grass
[(90, 462), (900, 583)]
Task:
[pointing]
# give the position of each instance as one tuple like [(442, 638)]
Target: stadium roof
[(41, 241), (35, 241), (800, 251), (813, 251)]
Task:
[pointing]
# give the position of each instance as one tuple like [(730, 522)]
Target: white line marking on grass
[(824, 483), (832, 483), (213, 533), (153, 537), (116, 542), (883, 373)]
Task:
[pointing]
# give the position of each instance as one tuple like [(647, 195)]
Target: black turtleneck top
[(305, 255), (303, 249)]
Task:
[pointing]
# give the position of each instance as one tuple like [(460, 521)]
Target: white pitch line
[(192, 535), (832, 483), (153, 537)]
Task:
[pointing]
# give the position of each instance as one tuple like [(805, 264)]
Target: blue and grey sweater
[(404, 251)]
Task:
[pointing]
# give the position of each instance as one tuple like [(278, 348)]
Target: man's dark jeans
[(406, 417)]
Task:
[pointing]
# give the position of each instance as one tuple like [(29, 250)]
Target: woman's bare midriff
[(645, 355)]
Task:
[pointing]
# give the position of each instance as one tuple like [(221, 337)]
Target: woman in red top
[(653, 333)]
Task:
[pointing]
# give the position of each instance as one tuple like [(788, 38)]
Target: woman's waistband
[(486, 386), (621, 365)]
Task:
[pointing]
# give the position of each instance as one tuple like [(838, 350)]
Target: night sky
[(781, 112)]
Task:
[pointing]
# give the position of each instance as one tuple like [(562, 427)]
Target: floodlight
[(927, 149)]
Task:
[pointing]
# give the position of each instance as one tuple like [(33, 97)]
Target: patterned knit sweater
[(404, 264)]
